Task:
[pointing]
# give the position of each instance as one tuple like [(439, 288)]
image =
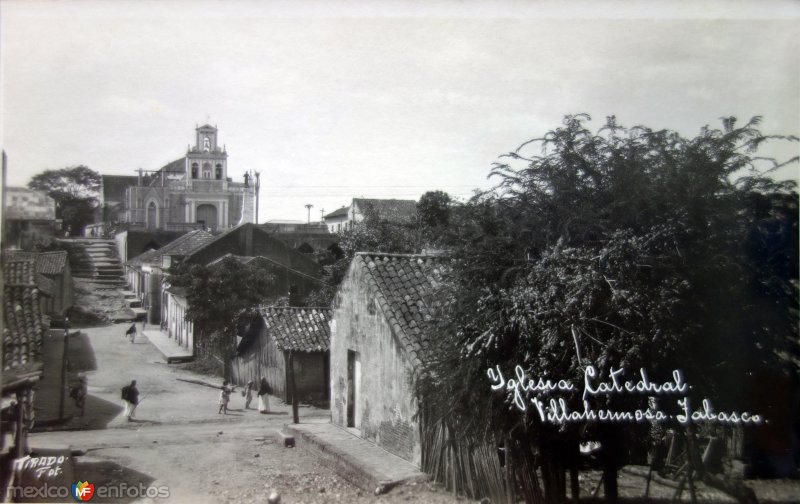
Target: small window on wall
[(195, 167), (219, 172), (206, 170), (371, 307)]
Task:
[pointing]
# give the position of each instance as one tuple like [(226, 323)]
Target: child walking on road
[(224, 397)]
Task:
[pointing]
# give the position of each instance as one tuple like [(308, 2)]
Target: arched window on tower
[(219, 171), (206, 170), (195, 168), (152, 216)]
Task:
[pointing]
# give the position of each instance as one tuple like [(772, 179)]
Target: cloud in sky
[(366, 100)]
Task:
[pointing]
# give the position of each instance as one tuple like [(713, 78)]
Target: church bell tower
[(206, 161)]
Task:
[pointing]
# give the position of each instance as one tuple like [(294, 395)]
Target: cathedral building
[(193, 192)]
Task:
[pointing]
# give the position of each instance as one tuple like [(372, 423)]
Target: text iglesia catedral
[(192, 192)]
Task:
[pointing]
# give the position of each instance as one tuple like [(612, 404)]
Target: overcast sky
[(334, 100)]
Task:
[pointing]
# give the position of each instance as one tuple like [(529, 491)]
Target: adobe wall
[(387, 406)]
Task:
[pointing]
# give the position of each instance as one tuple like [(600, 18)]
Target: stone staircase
[(95, 260)]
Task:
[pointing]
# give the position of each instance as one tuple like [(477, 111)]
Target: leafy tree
[(218, 294), (370, 235), (621, 247), (433, 208), (75, 191)]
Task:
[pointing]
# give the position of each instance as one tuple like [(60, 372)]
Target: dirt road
[(180, 442)]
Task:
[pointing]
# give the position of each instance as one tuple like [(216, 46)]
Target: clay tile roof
[(19, 269), (51, 263), (342, 212), (23, 324), (187, 243), (408, 292), (144, 257), (181, 246), (299, 329), (47, 263), (393, 210)]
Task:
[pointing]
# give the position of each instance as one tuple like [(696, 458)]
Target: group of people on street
[(264, 390), (130, 396)]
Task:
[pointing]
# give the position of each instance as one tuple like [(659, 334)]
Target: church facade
[(193, 192)]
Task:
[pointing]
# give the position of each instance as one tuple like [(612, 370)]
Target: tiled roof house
[(274, 333), (24, 325), (392, 210), (299, 329), (179, 247), (23, 335), (145, 272), (53, 278), (380, 334)]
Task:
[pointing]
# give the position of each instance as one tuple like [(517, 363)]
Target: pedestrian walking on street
[(131, 332), (130, 394), (224, 397), (248, 394), (263, 395)]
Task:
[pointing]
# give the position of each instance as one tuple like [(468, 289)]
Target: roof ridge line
[(293, 308), (392, 254)]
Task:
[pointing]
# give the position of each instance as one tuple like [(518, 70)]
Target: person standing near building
[(130, 394), (79, 392), (263, 395), (131, 332)]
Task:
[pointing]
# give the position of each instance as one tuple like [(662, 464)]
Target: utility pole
[(293, 389), (308, 206), (258, 186), (64, 366)]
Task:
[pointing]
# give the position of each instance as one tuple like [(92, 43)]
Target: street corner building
[(23, 335), (265, 345), (380, 336)]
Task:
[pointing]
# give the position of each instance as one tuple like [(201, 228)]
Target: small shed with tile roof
[(266, 341), (380, 334)]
